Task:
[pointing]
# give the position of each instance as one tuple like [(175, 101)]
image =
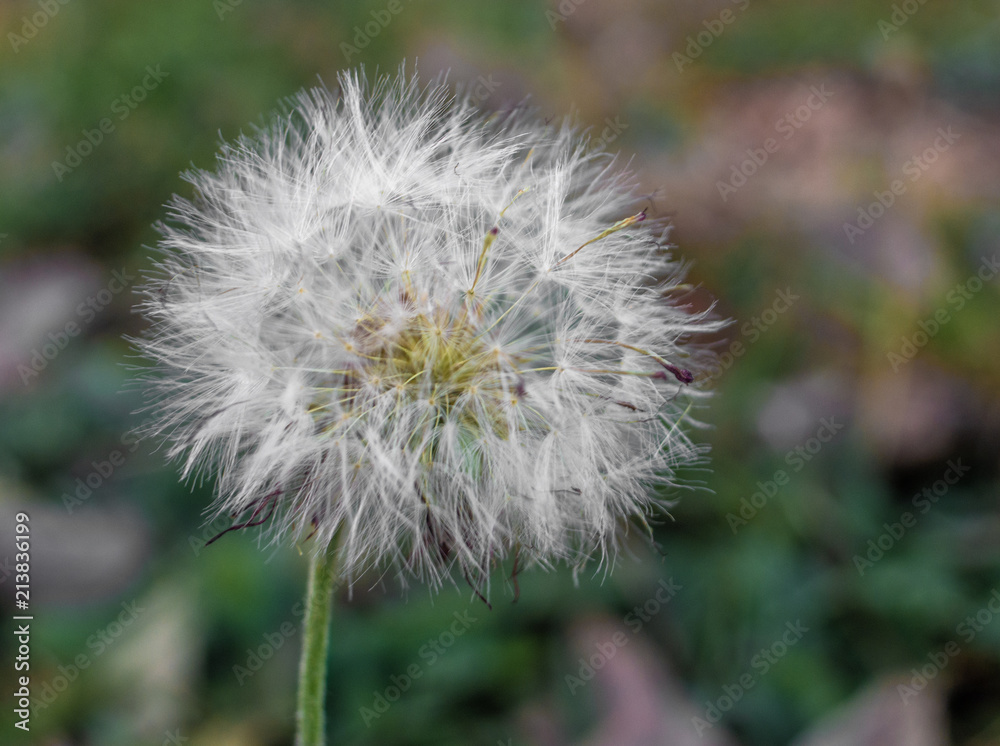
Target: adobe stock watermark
[(922, 502), (564, 10), (364, 34), (787, 126), (98, 643), (224, 7), (31, 25), (611, 132), (938, 660), (224, 523), (714, 27), (956, 298), (429, 653), (634, 620), (257, 656), (484, 87), (761, 663), (86, 312), (901, 13), (796, 459), (750, 332), (913, 170), (86, 486), (209, 531), (121, 108)]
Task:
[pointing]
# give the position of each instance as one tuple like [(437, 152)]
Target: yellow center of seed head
[(436, 357)]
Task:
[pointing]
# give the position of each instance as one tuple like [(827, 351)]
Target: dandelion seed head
[(425, 336)]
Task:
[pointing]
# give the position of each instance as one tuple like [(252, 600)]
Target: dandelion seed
[(421, 336)]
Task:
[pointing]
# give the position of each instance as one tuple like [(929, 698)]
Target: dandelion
[(421, 338)]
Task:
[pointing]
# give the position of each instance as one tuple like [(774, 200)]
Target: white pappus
[(424, 336)]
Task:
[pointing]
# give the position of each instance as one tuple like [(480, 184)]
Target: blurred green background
[(819, 592)]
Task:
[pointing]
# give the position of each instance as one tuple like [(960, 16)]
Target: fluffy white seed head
[(423, 336)]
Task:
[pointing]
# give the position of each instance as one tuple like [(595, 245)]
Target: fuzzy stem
[(309, 716)]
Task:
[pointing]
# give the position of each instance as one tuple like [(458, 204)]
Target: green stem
[(309, 715)]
